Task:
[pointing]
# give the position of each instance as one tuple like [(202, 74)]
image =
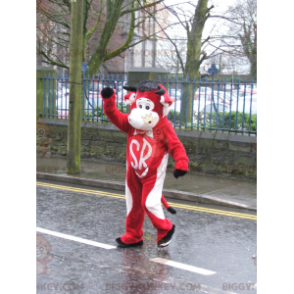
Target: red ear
[(130, 98), (127, 96), (167, 99), (166, 96)]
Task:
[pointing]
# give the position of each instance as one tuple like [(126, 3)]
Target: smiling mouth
[(140, 132)]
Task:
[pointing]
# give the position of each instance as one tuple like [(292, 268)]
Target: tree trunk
[(253, 68), (253, 59), (193, 60), (75, 86), (113, 15)]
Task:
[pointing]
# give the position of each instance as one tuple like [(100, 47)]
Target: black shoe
[(167, 238), (123, 245)]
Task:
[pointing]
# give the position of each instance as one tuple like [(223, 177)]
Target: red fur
[(142, 181)]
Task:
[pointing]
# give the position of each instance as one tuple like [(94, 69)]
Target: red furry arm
[(120, 120), (175, 148)]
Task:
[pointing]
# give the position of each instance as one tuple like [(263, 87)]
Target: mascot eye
[(140, 106), (147, 107)]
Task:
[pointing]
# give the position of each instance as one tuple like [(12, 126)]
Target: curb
[(172, 194)]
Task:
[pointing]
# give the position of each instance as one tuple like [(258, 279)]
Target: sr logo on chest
[(135, 152)]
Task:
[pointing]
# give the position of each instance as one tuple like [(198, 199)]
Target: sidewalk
[(215, 190)]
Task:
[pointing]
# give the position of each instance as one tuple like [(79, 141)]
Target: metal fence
[(222, 106)]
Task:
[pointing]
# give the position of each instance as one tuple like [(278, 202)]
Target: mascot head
[(149, 103)]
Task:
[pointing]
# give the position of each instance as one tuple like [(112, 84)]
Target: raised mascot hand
[(107, 92)]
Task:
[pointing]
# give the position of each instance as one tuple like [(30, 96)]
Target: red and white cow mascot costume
[(150, 138)]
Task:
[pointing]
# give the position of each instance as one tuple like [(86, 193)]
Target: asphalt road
[(211, 251)]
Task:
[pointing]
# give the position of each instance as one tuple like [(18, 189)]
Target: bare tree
[(193, 24), (167, 55), (245, 14), (241, 38), (240, 41), (101, 20)]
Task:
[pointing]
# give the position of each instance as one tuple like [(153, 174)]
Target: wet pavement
[(231, 189), (218, 247)]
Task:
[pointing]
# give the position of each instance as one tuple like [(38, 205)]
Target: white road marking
[(175, 264), (76, 239), (183, 266)]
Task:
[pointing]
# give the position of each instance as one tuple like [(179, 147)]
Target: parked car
[(62, 107), (214, 107), (249, 87), (177, 106), (218, 96), (203, 92), (175, 94), (119, 86), (200, 108), (95, 87), (221, 97), (232, 104), (208, 115), (245, 104), (247, 93), (62, 104), (92, 102), (227, 87), (121, 94), (63, 85)]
